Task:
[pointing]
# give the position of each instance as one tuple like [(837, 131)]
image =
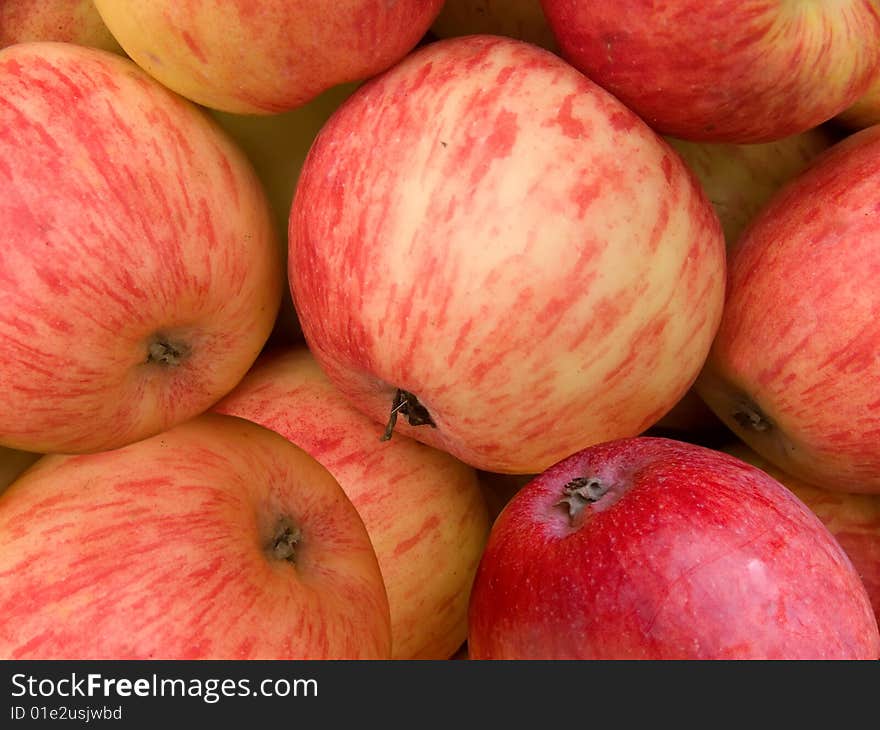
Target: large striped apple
[(139, 272), (794, 370), (492, 248), (724, 70), (649, 548), (217, 539), (422, 508), (269, 56)]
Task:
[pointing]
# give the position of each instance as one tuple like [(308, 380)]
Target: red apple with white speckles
[(422, 508), (139, 274), (853, 519), (650, 548), (794, 370), (217, 539), (497, 254), (724, 70), (265, 57)]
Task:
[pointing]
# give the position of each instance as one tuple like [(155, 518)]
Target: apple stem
[(749, 416), (162, 351), (285, 541), (580, 492), (407, 405)]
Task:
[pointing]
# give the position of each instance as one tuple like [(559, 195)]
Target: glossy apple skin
[(129, 220), (422, 508), (794, 369), (866, 111), (163, 550), (266, 57), (690, 554), (853, 519), (742, 71), (67, 21), (522, 19), (486, 229)]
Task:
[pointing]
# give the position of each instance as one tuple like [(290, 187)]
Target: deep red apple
[(217, 539), (655, 549)]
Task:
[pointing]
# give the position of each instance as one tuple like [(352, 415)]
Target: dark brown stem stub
[(407, 405), (167, 352), (285, 540), (751, 418), (580, 492)]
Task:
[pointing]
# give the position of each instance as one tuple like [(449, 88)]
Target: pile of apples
[(500, 329)]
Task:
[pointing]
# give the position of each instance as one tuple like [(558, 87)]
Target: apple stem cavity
[(407, 405), (285, 541), (580, 492), (163, 351)]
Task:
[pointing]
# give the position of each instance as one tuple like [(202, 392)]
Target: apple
[(139, 274), (12, 464), (492, 255), (68, 21), (217, 539), (522, 19), (741, 178), (650, 548), (277, 145), (866, 111), (723, 70), (853, 519), (422, 508), (266, 57), (794, 370)]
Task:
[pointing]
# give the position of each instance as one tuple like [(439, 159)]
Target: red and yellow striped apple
[(488, 246), (422, 508), (269, 56), (139, 275), (794, 370), (216, 539), (67, 21), (724, 70), (650, 548)]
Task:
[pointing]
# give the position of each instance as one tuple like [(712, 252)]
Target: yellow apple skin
[(866, 111), (853, 519), (277, 145), (422, 508), (522, 19), (269, 56), (67, 21)]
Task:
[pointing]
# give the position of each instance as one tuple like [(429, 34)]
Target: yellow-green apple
[(794, 369), (422, 508), (651, 548), (523, 19), (217, 539), (853, 519), (12, 463), (265, 57), (139, 274), (866, 111), (741, 178), (724, 70), (493, 253), (68, 21), (277, 145)]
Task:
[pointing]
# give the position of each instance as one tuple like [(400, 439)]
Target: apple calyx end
[(166, 351), (580, 492), (285, 541), (407, 405), (750, 417)]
